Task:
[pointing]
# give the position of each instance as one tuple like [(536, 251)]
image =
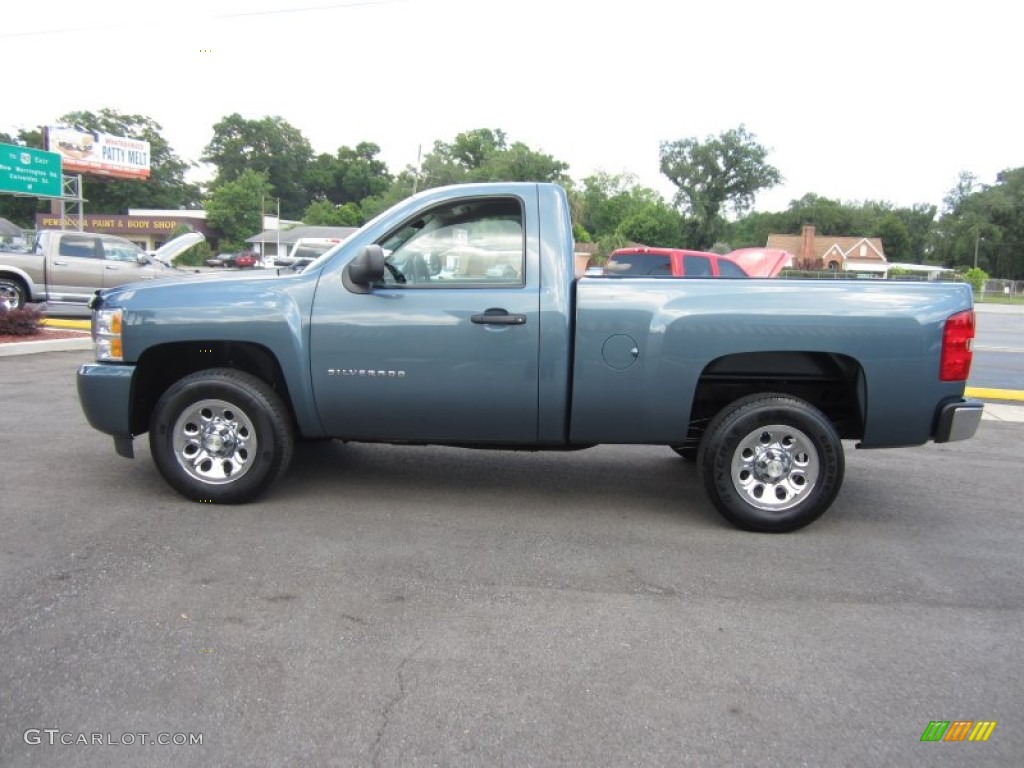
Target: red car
[(245, 260), (643, 261)]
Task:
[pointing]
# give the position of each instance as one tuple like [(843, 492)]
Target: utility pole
[(416, 176)]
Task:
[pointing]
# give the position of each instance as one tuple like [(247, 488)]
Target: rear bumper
[(958, 420)]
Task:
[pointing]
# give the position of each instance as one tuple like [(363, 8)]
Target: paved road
[(427, 606), (999, 348)]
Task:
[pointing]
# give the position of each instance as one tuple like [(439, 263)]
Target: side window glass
[(79, 246), (661, 267), (471, 244), (729, 269), (639, 265), (116, 250), (696, 266)]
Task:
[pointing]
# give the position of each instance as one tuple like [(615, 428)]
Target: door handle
[(113, 267), (498, 317), (59, 263)]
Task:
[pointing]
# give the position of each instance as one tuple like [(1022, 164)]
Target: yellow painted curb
[(59, 322), (994, 394)]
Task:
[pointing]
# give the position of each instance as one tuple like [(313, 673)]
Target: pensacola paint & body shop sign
[(99, 153), (155, 226)]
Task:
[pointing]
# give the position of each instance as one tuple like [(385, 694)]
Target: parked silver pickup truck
[(69, 267)]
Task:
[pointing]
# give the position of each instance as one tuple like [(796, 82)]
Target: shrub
[(195, 256), (24, 321), (976, 277)]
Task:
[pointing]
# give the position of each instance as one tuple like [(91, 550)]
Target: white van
[(305, 249)]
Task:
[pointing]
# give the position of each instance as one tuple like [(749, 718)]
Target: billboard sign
[(27, 171), (99, 153)]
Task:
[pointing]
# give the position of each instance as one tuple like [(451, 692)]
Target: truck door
[(75, 270), (121, 263), (445, 348)]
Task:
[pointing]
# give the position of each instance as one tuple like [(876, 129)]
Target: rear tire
[(221, 436), (771, 463)]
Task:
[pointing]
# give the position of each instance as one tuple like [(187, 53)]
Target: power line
[(241, 14)]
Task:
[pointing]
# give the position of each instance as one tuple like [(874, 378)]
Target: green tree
[(983, 225), (235, 208), (716, 175), (607, 201), (327, 214), (655, 224), (22, 210), (349, 175), (400, 188), (895, 238), (271, 146), (1004, 244), (166, 186), (485, 155)]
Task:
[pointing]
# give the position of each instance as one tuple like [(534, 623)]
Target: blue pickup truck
[(456, 318)]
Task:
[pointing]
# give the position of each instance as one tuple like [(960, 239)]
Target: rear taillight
[(957, 343)]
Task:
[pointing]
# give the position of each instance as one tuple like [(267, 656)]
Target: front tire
[(686, 452), (771, 463), (12, 294), (221, 436)]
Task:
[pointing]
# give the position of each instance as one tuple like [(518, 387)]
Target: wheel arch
[(158, 367), (833, 383)]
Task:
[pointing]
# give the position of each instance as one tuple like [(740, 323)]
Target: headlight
[(106, 334)]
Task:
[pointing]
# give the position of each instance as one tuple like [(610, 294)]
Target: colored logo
[(958, 730)]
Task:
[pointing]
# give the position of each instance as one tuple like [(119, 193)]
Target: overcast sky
[(869, 100)]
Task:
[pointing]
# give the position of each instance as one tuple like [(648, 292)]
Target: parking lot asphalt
[(401, 606)]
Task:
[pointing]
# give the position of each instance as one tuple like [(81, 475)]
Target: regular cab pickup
[(455, 318), (68, 267)]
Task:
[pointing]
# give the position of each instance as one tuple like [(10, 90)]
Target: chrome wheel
[(11, 296), (214, 441), (775, 467)]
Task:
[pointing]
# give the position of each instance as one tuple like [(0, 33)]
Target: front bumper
[(958, 420), (104, 390)]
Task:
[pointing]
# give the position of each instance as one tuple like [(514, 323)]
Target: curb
[(987, 393), (67, 323), (50, 345)]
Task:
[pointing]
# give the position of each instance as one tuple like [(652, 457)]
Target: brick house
[(856, 254)]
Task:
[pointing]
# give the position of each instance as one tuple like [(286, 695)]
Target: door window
[(120, 250), (79, 246), (461, 244), (696, 266)]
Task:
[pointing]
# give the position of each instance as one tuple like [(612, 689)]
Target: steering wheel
[(399, 277)]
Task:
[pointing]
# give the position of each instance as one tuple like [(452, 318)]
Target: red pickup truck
[(643, 261)]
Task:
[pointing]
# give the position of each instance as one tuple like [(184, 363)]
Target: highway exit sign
[(27, 171)]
